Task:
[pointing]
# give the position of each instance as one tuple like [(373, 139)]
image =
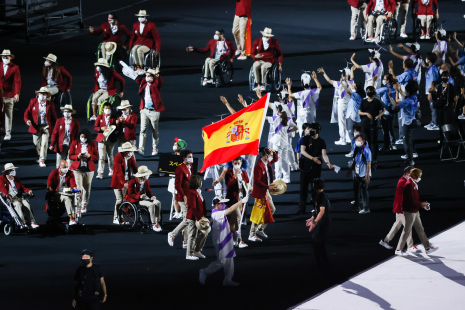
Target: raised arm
[(314, 77), (226, 103), (394, 53), (357, 66), (321, 70), (458, 42), (391, 69), (348, 91)]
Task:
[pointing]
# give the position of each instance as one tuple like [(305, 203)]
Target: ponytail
[(284, 118)]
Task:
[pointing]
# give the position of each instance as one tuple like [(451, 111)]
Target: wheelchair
[(114, 100), (57, 220), (61, 99), (273, 79), (433, 28), (135, 216), (150, 60), (388, 33), (9, 218), (223, 73)]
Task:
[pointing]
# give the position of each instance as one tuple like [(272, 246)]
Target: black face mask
[(312, 133), (85, 262), (445, 80), (371, 94)]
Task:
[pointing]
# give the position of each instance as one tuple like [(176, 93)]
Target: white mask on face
[(307, 131), (149, 79), (98, 69), (418, 180), (126, 112), (13, 173), (266, 39), (111, 21), (83, 140), (64, 170), (47, 63), (358, 143), (42, 97), (384, 82), (216, 37), (130, 155), (147, 177), (141, 19), (175, 148), (237, 166), (190, 160), (270, 158), (107, 111), (66, 114), (441, 71), (6, 61)]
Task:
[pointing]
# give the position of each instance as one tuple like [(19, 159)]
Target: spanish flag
[(238, 134)]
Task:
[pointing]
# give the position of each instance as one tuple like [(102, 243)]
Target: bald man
[(57, 181)]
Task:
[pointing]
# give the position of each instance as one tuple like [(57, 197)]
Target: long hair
[(56, 71), (377, 61), (88, 135), (415, 52), (106, 72), (284, 118)]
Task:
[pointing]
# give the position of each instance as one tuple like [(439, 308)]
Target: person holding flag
[(241, 28)]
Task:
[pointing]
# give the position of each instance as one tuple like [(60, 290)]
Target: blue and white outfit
[(370, 71), (408, 106), (352, 113), (417, 63), (307, 101), (339, 111), (281, 144), (441, 47), (403, 79)]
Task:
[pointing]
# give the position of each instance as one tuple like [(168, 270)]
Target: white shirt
[(379, 6), (49, 78), (220, 235), (267, 175), (141, 28), (266, 43), (5, 69), (142, 188), (370, 70), (67, 133), (107, 120), (125, 118), (102, 83), (340, 90), (12, 191), (42, 112), (200, 194), (148, 97), (126, 175), (301, 96), (281, 137), (62, 182), (114, 28), (84, 151), (221, 49)]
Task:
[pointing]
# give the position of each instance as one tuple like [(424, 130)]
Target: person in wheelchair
[(12, 188), (402, 10), (105, 79), (57, 181), (113, 32), (220, 49), (144, 38), (378, 11), (56, 78), (426, 14), (106, 143), (139, 192), (263, 53)]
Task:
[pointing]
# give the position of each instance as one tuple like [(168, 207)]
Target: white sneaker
[(364, 211), (429, 125), (256, 87), (210, 81), (199, 255), (434, 127), (403, 35), (156, 227), (42, 164), (340, 142), (72, 222), (170, 239), (242, 245), (261, 233), (116, 221), (394, 147), (413, 249), (461, 116), (376, 39), (7, 137), (204, 82), (110, 173), (184, 245), (230, 283), (348, 141), (400, 141), (34, 225), (99, 176), (427, 37), (352, 202), (385, 244), (242, 57), (255, 239), (191, 257), (431, 249), (415, 155), (352, 37), (369, 39), (262, 88), (140, 151), (93, 118), (154, 152), (202, 276), (351, 154), (422, 37), (84, 209), (401, 253), (179, 215), (238, 52), (404, 157)]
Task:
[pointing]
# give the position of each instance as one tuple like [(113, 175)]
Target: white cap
[(305, 78), (417, 46)]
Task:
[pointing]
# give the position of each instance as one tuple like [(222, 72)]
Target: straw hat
[(153, 71), (267, 32), (142, 171), (281, 185), (110, 47), (203, 225), (142, 13), (124, 104), (9, 166), (127, 147), (102, 62), (44, 89), (68, 107), (51, 57), (67, 191), (7, 53)]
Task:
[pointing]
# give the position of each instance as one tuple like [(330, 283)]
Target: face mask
[(175, 148), (130, 154), (384, 82), (223, 206), (371, 94), (270, 158), (441, 71), (66, 114), (107, 111), (6, 61), (149, 79), (237, 166), (13, 173), (111, 21), (266, 39), (64, 170), (445, 80), (85, 262), (358, 143), (98, 69), (83, 140), (126, 112), (312, 133), (47, 63), (42, 97), (216, 37), (307, 131), (147, 177), (418, 180), (190, 160), (142, 19)]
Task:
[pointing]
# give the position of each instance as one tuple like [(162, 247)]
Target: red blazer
[(397, 208), (155, 89), (196, 207), (130, 126), (389, 6), (411, 200), (111, 82), (356, 3), (149, 37), (11, 82), (426, 9), (75, 150), (119, 168), (53, 180), (5, 185), (32, 114), (64, 80), (182, 175), (58, 133), (108, 36), (99, 123), (260, 183), (244, 8), (134, 190), (211, 47), (269, 54), (233, 188)]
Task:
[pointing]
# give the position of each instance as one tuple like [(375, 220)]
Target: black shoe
[(385, 149)]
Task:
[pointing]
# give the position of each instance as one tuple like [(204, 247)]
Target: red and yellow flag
[(248, 38), (238, 134)]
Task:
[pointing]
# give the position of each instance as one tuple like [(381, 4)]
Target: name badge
[(357, 169)]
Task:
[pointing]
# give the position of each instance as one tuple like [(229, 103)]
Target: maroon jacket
[(397, 208), (111, 83), (411, 200), (269, 54), (196, 208), (119, 168), (75, 150), (5, 185), (260, 183), (58, 133), (389, 6), (134, 190), (10, 83), (53, 180), (155, 89), (32, 114), (211, 47), (233, 188), (182, 175), (130, 125), (99, 123), (64, 80), (149, 36), (425, 9), (244, 8), (108, 36)]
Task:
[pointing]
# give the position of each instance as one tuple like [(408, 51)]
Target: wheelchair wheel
[(128, 215), (226, 73), (251, 79), (7, 229), (276, 79), (203, 74), (152, 61), (391, 30), (89, 108), (144, 216)]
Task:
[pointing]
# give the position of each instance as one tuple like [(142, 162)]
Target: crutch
[(12, 211)]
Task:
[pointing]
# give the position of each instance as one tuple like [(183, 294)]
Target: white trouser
[(356, 12), (154, 207), (220, 189), (152, 118), (282, 165), (425, 20), (341, 119), (119, 194), (18, 203), (63, 155), (105, 148), (84, 184), (291, 155), (53, 89), (402, 8), (8, 104), (226, 263), (138, 52), (40, 140), (99, 96), (259, 71), (379, 23), (238, 30), (210, 67), (306, 116), (68, 201)]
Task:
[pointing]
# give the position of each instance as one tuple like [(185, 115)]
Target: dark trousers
[(387, 122), (361, 192), (409, 145), (306, 178), (370, 129), (320, 233), (84, 304)]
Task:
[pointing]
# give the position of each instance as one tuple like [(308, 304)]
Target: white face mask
[(358, 143), (441, 71), (64, 170), (111, 21), (98, 69), (190, 160), (13, 173), (418, 180), (149, 79), (270, 158), (42, 97), (216, 37), (175, 148), (129, 154), (66, 114), (266, 39), (47, 63), (83, 140), (307, 131), (107, 111), (6, 61), (126, 112), (384, 82), (147, 177), (141, 19), (237, 166)]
